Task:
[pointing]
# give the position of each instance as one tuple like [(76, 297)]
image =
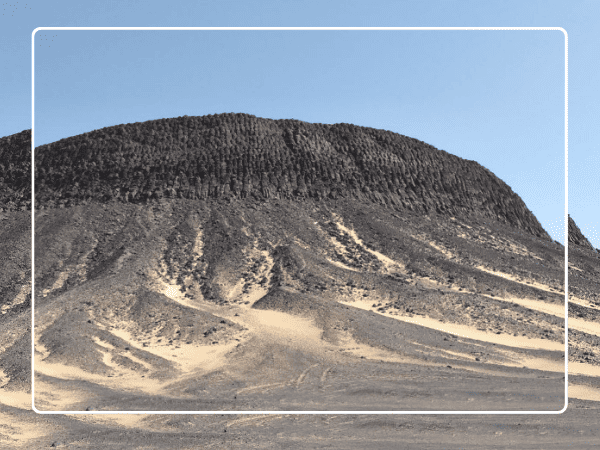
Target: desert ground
[(191, 306)]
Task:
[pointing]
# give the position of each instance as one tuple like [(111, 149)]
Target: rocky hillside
[(576, 236), (15, 171), (228, 156)]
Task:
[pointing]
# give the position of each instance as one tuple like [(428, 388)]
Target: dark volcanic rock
[(242, 156), (15, 171), (576, 236)]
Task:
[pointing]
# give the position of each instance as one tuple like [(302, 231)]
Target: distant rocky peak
[(576, 237)]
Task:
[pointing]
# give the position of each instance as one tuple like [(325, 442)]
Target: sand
[(448, 254), (388, 263), (582, 302), (20, 298), (125, 420), (575, 323), (467, 331), (537, 305), (62, 277), (53, 397), (21, 431), (16, 399), (188, 358), (584, 392), (531, 283)]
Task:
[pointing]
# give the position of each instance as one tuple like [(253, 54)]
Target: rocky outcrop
[(15, 171), (243, 156), (576, 237)]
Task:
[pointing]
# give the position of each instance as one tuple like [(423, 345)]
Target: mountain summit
[(230, 156)]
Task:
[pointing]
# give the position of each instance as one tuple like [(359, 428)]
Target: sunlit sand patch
[(173, 292), (20, 298), (230, 285), (41, 352), (281, 327), (575, 368), (584, 325), (107, 356), (188, 357), (556, 310), (81, 268), (387, 262), (302, 333), (501, 244), (257, 291), (342, 265), (467, 331), (22, 430), (514, 359), (122, 380), (119, 262), (574, 267), (342, 249), (53, 397), (16, 399), (547, 308), (198, 248), (583, 302), (62, 277), (255, 294), (517, 361), (132, 420), (508, 276), (102, 343), (460, 355), (440, 248), (584, 392), (58, 370), (448, 254)]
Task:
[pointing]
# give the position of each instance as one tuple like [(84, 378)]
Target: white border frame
[(298, 29)]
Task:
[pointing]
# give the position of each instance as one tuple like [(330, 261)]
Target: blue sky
[(496, 97)]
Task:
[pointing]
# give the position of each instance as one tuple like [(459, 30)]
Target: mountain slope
[(273, 292), (576, 236), (292, 298)]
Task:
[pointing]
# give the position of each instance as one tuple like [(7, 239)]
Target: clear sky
[(496, 97)]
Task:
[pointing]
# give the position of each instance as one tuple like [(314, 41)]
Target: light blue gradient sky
[(496, 97)]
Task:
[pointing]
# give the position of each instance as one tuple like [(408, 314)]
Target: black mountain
[(242, 156)]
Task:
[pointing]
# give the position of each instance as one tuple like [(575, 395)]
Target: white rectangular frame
[(297, 29)]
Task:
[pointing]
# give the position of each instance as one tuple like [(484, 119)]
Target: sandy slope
[(466, 331)]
